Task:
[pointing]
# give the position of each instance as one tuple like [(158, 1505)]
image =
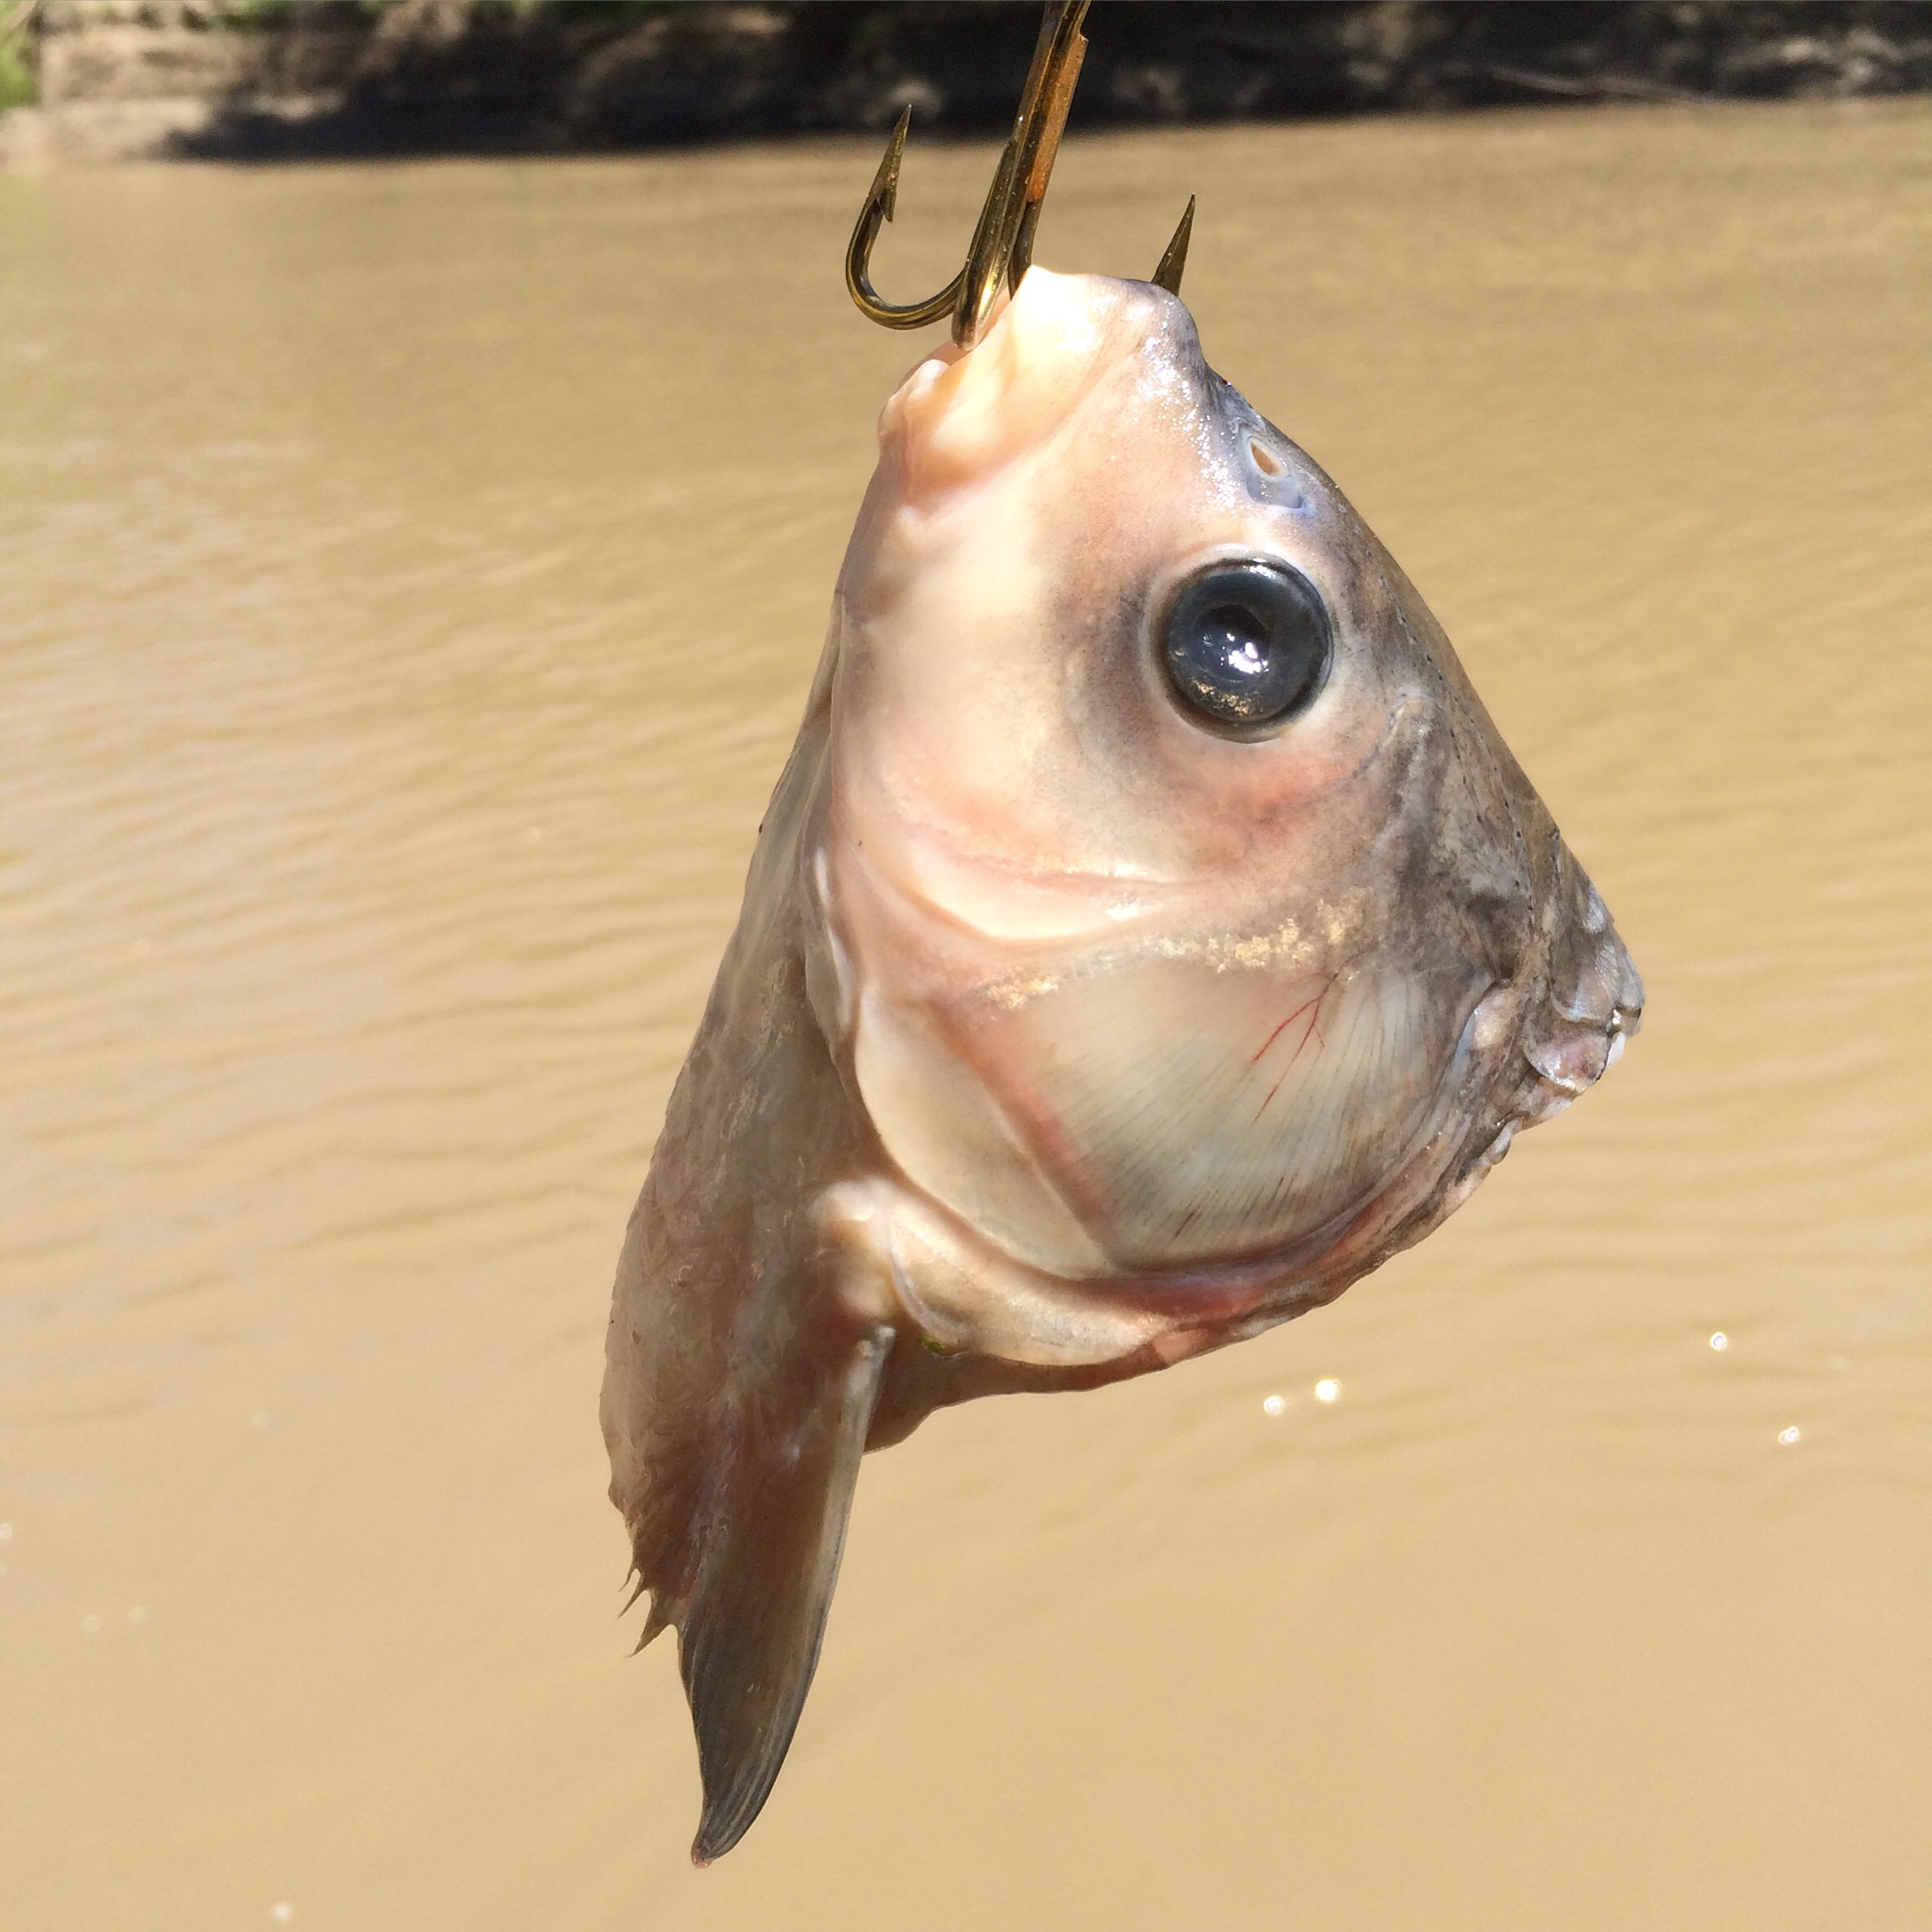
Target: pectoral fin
[(748, 1637)]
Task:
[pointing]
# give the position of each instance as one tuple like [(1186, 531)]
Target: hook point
[(1173, 260), (885, 184)]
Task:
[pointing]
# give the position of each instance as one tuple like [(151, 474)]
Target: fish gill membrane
[(1149, 934)]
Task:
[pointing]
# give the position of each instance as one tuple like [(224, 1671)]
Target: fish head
[(1192, 934)]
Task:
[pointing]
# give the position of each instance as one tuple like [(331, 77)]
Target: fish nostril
[(1265, 459)]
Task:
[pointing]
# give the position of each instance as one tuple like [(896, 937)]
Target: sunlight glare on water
[(410, 578)]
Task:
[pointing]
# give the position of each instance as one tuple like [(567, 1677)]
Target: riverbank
[(92, 82)]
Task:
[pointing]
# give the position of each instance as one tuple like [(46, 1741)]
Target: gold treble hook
[(1002, 245)]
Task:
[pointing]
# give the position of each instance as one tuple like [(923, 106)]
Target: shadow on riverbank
[(264, 80)]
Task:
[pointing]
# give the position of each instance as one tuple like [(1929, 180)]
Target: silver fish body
[(1068, 1030)]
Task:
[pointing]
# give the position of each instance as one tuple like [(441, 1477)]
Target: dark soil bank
[(255, 78)]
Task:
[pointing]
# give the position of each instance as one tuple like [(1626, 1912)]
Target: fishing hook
[(1002, 245)]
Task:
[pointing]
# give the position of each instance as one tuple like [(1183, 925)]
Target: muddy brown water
[(408, 580)]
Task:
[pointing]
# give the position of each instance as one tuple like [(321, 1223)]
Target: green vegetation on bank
[(245, 17), (16, 71)]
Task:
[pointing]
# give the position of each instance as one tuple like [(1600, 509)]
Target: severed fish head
[(1149, 934)]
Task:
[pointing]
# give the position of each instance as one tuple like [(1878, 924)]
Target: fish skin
[(1060, 1038)]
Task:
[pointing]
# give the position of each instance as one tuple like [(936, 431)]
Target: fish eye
[(1247, 645)]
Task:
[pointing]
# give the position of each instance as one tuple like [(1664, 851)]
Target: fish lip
[(1572, 1056), (1593, 997)]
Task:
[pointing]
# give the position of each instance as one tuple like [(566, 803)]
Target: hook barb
[(885, 184), (1174, 258), (882, 201)]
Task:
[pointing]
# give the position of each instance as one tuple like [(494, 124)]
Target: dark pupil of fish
[(1247, 645)]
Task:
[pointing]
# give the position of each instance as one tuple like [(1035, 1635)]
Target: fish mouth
[(1594, 1001)]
